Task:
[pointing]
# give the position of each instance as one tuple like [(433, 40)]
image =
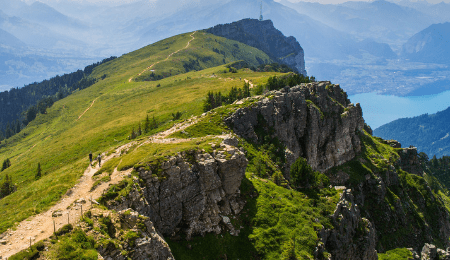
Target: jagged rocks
[(409, 161), (149, 244), (192, 192), (429, 252), (315, 121), (353, 236)]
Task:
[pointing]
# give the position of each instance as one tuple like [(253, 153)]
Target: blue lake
[(381, 109)]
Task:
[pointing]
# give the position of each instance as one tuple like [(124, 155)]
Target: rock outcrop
[(315, 121), (148, 245), (409, 161), (353, 236), (264, 36), (402, 207), (192, 192)]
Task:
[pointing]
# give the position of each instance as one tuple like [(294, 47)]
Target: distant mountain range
[(356, 43), (429, 133)]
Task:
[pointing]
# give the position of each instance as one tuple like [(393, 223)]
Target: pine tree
[(139, 130), (6, 164), (6, 187), (38, 173), (153, 124), (147, 125), (17, 130)]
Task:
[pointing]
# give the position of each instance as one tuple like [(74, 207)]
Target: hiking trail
[(40, 226), (170, 55), (87, 109)]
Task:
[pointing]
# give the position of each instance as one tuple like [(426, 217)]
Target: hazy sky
[(117, 2)]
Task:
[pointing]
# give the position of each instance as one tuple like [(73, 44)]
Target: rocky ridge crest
[(315, 121)]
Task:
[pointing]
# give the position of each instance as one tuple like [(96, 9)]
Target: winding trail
[(170, 55), (40, 226), (86, 109), (249, 82), (79, 197)]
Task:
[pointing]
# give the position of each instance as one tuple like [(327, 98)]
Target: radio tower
[(260, 15)]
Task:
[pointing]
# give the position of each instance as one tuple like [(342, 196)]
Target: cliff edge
[(264, 36)]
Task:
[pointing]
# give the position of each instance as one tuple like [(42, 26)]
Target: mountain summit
[(264, 36)]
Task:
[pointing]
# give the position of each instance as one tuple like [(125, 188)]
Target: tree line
[(217, 99), (19, 106)]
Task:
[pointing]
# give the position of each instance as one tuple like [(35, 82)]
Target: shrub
[(64, 230), (176, 116), (77, 246), (301, 172)]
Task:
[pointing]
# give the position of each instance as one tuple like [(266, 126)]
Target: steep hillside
[(184, 194), (429, 133), (102, 116)]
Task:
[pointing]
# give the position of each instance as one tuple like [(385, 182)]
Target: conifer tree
[(153, 124), (6, 164), (38, 172), (147, 125), (139, 130), (6, 187)]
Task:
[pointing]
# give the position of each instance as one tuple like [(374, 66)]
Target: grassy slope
[(61, 143)]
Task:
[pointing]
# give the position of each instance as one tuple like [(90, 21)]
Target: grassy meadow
[(61, 142)]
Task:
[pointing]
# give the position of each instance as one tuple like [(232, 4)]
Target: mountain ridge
[(429, 133)]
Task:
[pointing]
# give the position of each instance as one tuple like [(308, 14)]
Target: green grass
[(206, 51), (396, 254), (271, 219), (61, 143)]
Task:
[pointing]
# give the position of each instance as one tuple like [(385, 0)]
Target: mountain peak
[(264, 36)]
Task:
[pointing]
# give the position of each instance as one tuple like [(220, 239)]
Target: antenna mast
[(260, 15)]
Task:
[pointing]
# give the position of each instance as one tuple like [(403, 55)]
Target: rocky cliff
[(353, 237), (315, 121), (387, 202), (264, 36), (192, 192)]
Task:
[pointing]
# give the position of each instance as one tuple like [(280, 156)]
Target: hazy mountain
[(9, 40), (43, 14), (429, 45), (317, 39), (440, 12), (381, 20), (429, 133)]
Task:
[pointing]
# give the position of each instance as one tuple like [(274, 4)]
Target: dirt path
[(87, 109), (79, 197), (249, 82), (40, 226), (170, 55)]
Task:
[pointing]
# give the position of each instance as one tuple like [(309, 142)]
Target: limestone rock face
[(409, 161), (315, 121), (150, 244), (353, 237), (193, 192), (264, 36)]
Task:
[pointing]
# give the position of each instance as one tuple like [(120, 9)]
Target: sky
[(118, 2)]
